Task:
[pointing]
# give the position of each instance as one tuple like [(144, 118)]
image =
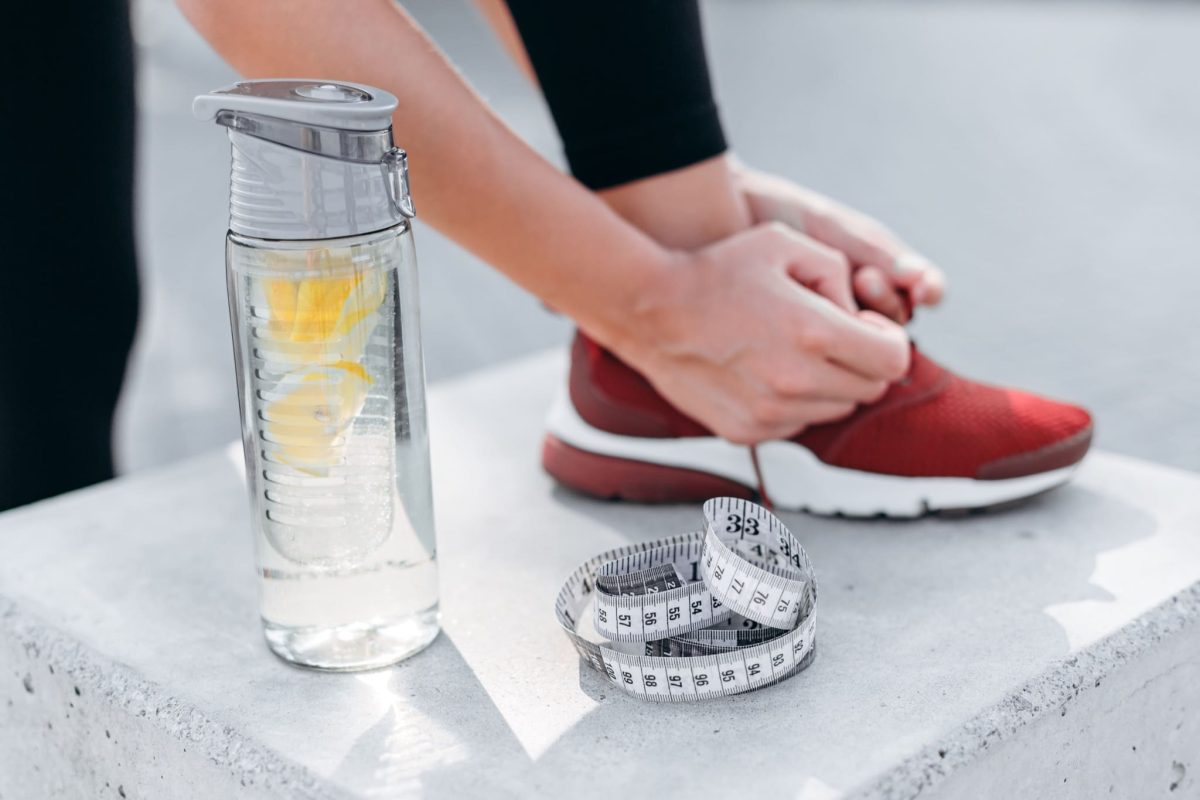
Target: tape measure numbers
[(720, 611)]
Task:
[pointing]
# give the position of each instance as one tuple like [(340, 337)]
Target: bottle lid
[(331, 104), (288, 136)]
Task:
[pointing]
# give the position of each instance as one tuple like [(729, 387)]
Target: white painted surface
[(961, 636)]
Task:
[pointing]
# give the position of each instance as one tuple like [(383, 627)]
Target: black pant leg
[(69, 292), (627, 83)]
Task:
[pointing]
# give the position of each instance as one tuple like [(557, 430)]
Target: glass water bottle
[(323, 305)]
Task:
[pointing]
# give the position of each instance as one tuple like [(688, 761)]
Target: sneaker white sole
[(795, 479)]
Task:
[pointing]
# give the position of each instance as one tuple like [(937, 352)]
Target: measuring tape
[(716, 612)]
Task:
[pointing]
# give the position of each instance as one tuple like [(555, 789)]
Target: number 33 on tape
[(720, 611)]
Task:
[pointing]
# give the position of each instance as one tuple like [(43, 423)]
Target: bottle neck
[(277, 192)]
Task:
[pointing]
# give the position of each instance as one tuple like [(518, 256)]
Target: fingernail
[(909, 263), (872, 286)]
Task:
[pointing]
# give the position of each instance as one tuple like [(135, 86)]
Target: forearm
[(687, 208), (473, 179)]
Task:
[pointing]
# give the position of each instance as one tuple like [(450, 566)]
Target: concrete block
[(1024, 652)]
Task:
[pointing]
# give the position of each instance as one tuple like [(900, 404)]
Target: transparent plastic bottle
[(330, 379)]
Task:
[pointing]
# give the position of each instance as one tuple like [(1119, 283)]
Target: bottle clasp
[(395, 172)]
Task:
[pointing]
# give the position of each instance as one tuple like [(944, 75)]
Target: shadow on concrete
[(923, 625), (448, 720)]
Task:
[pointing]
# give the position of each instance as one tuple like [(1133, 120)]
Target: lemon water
[(336, 448)]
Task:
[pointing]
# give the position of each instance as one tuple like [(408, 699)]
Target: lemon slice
[(322, 309), (307, 423), (316, 335)]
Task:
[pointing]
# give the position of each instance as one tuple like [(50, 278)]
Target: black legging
[(627, 83), (69, 297)]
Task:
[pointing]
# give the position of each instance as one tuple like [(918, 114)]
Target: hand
[(757, 336), (888, 275)]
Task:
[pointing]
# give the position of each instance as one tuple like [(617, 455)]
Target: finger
[(796, 417), (869, 344), (868, 243), (909, 270), (863, 239), (826, 381), (877, 320), (860, 237), (817, 266), (931, 288), (874, 290), (819, 413)]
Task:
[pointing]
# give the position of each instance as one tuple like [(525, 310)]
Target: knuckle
[(821, 218), (740, 432), (779, 234), (766, 413), (839, 263), (815, 338), (842, 410), (790, 383), (875, 391), (777, 229), (836, 411), (777, 382), (744, 435), (897, 364)]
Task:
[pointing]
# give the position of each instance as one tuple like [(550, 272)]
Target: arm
[(474, 179), (653, 107), (729, 334)]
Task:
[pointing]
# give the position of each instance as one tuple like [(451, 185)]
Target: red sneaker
[(934, 442)]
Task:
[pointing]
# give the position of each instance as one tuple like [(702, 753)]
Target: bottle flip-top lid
[(333, 104), (293, 105), (338, 120)]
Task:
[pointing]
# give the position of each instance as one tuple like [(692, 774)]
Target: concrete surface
[(1044, 153), (1050, 648)]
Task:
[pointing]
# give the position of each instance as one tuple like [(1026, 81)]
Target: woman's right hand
[(757, 336)]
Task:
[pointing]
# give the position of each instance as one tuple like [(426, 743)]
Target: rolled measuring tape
[(720, 611)]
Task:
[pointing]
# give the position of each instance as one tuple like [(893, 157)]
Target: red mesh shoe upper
[(932, 424), (937, 424), (610, 395)]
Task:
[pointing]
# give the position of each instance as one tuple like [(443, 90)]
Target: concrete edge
[(1050, 691), (560, 352), (128, 693)]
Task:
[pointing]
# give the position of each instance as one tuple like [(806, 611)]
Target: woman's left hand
[(888, 275)]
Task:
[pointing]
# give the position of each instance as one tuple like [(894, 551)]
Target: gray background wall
[(1045, 153)]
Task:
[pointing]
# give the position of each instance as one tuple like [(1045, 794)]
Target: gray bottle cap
[(312, 159)]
